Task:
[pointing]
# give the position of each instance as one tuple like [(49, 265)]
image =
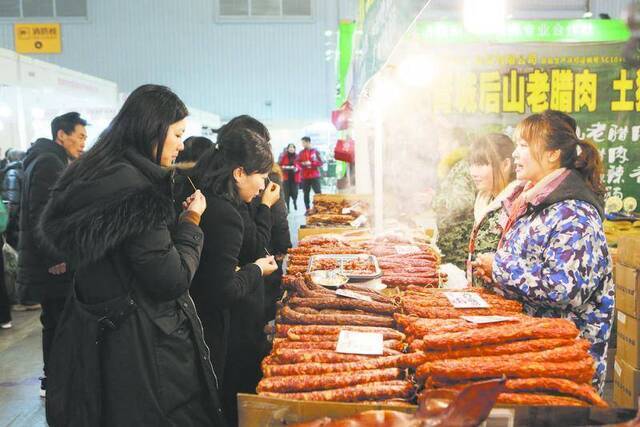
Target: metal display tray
[(347, 257)]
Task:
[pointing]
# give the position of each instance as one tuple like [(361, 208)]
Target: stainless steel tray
[(341, 258)]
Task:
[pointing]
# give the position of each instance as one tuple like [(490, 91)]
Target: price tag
[(354, 342), (466, 300), (361, 220), (407, 249), (488, 319), (622, 318), (351, 294), (346, 211), (617, 368)]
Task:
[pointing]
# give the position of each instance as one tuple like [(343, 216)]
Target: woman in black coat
[(129, 349), (229, 279)]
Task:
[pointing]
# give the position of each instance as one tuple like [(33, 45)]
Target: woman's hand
[(267, 265), (271, 194), (483, 266), (196, 203)]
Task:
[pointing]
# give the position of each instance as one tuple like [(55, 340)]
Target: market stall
[(411, 331)]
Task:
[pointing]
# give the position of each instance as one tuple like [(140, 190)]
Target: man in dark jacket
[(42, 279)]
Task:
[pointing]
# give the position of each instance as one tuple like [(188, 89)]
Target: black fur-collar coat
[(118, 232)]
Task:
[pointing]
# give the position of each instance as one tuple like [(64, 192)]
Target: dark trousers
[(5, 304), (307, 185), (291, 191), (52, 308)]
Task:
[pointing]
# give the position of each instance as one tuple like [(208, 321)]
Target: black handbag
[(74, 378)]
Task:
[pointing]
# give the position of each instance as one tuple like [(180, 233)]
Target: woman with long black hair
[(228, 288), (129, 349)]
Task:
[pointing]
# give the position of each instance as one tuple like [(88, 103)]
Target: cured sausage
[(287, 356), (515, 347), (290, 315), (344, 304), (561, 386), (271, 370), (299, 383), (542, 328), (579, 371), (373, 391), (300, 330), (328, 342)]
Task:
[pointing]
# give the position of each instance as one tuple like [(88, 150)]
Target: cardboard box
[(629, 251), (627, 287), (259, 411), (628, 339), (626, 384)]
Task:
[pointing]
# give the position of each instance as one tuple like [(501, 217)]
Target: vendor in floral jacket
[(553, 255)]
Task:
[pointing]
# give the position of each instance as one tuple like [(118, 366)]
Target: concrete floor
[(20, 368)]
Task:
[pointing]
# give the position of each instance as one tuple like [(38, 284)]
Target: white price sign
[(407, 249), (488, 319), (466, 300), (352, 342), (351, 294)]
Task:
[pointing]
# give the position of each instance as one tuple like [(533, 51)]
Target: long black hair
[(237, 146), (141, 124)]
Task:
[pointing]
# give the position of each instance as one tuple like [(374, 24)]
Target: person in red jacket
[(310, 161), (290, 175)]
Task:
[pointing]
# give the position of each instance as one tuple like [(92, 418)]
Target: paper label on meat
[(351, 294), (617, 368), (466, 300), (346, 211), (407, 249), (622, 318), (488, 319), (353, 342)]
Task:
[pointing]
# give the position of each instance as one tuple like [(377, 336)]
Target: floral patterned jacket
[(555, 259)]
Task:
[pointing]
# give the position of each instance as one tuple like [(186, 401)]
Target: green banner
[(345, 50), (494, 89), (525, 31)]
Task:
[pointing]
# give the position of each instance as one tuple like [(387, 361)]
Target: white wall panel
[(225, 68)]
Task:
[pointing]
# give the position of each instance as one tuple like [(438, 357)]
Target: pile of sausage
[(400, 270), (303, 363), (331, 211), (429, 303), (544, 361)]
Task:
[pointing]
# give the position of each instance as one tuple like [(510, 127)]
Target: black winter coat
[(134, 266), (13, 175), (44, 163)]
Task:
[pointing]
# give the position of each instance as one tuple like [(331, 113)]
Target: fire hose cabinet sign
[(38, 38)]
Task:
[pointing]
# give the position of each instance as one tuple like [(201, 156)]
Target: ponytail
[(589, 163)]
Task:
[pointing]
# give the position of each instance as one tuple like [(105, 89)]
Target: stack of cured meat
[(331, 210), (303, 363), (544, 361), (404, 263)]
